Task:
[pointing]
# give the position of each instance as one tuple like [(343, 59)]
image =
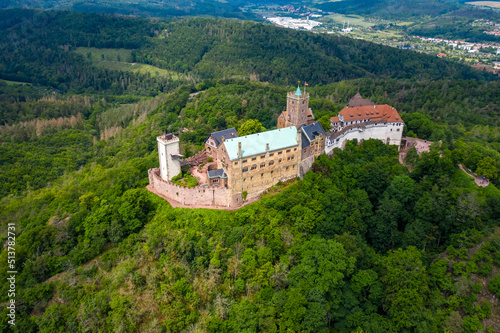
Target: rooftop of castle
[(226, 134), (257, 143), (310, 132), (357, 101), (168, 137), (373, 112)]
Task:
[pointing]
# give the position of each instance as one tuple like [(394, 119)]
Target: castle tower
[(297, 105), (168, 153)]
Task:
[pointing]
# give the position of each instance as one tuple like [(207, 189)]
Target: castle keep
[(244, 167)]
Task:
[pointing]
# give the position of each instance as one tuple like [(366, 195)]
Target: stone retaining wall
[(196, 196)]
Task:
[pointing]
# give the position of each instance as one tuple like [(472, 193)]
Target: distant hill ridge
[(201, 47)]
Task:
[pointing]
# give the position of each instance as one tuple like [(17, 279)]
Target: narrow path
[(477, 180)]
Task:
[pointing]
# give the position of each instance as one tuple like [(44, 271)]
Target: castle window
[(253, 167), (286, 168), (279, 161), (398, 129), (235, 163), (245, 169), (251, 178), (261, 175), (271, 162), (272, 173), (280, 152), (263, 164), (263, 156), (294, 149), (271, 155), (294, 166), (288, 150), (254, 158), (288, 158), (215, 180), (293, 157)]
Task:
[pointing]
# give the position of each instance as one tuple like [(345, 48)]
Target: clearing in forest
[(492, 4), (121, 60)]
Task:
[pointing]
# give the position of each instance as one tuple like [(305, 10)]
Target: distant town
[(480, 55)]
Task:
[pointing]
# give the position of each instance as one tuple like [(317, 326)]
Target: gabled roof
[(357, 101), (227, 134), (310, 115), (310, 132), (219, 173), (305, 142), (337, 118), (374, 112), (256, 143)]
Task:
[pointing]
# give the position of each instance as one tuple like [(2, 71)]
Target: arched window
[(271, 162), (253, 167), (263, 164), (245, 169)]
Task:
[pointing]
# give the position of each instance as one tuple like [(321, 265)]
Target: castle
[(242, 168)]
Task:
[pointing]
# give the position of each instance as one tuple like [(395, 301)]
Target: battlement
[(292, 94), (209, 196), (168, 138)]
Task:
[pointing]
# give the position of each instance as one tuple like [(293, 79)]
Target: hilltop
[(362, 243)]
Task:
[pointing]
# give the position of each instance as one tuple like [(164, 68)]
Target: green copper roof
[(298, 93), (256, 143)]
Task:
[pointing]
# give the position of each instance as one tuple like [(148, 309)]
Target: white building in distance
[(291, 23)]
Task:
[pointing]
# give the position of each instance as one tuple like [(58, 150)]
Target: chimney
[(267, 146), (239, 149)]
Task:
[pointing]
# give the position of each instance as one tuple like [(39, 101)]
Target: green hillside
[(159, 8), (361, 244), (217, 49), (392, 8)]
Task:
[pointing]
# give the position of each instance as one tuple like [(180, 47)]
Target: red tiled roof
[(375, 112)]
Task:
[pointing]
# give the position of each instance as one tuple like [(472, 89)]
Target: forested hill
[(160, 8), (217, 48), (280, 55), (393, 8), (362, 244)]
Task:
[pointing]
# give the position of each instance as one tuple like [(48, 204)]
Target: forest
[(361, 244)]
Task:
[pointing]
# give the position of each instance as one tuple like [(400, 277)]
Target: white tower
[(168, 153)]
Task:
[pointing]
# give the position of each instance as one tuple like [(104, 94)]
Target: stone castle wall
[(306, 165), (196, 196), (386, 132)]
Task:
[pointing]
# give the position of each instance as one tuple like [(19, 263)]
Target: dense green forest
[(159, 8), (453, 28), (361, 244), (392, 8), (218, 49)]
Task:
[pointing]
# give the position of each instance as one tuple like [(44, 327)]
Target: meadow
[(122, 60)]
